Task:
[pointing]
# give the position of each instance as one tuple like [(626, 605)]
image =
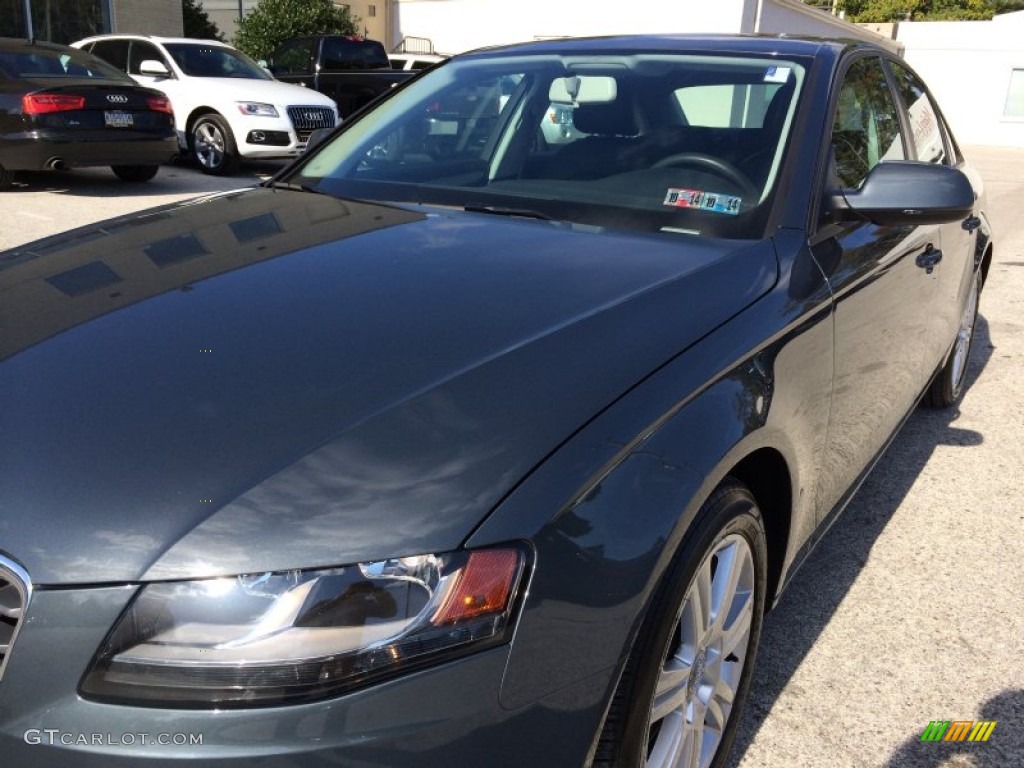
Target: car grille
[(14, 591), (308, 119)]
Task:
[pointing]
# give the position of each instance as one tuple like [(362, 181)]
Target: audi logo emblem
[(117, 98)]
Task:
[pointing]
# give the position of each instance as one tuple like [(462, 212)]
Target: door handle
[(971, 223), (929, 258)]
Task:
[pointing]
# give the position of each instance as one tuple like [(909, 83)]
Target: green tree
[(917, 10), (197, 23), (274, 21)]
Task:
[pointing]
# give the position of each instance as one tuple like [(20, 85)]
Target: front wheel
[(213, 145), (135, 173), (948, 384), (682, 689)]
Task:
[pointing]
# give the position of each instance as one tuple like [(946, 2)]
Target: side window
[(866, 130), (295, 58), (113, 52), (141, 52), (924, 119)]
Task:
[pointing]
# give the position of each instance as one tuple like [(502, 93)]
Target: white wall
[(967, 65), (460, 25)]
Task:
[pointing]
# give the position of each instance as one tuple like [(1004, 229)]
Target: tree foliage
[(922, 10), (197, 23), (274, 21)]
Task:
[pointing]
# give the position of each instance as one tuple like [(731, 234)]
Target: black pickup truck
[(351, 70)]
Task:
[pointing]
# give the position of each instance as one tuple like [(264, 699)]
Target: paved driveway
[(910, 610)]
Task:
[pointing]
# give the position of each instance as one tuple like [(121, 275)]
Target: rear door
[(882, 297)]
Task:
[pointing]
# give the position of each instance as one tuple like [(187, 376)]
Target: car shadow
[(823, 581), (1007, 710)]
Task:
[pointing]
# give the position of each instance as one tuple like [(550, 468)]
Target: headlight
[(257, 108), (275, 638)]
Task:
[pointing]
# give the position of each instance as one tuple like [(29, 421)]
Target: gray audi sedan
[(453, 445)]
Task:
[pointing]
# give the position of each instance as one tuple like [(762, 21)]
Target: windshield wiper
[(295, 187), (498, 210)]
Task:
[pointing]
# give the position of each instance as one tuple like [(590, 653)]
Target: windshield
[(197, 60), (67, 63), (689, 144)]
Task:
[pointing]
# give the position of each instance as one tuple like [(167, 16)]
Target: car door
[(171, 86), (931, 142), (881, 296)]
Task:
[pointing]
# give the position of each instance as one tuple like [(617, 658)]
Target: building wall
[(459, 25), (968, 65), (224, 13), (372, 19), (151, 17)]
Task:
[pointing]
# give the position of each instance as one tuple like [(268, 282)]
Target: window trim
[(1003, 117)]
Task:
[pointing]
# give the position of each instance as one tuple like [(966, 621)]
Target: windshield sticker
[(776, 74), (705, 201)]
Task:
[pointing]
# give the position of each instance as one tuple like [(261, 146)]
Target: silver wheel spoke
[(697, 685)]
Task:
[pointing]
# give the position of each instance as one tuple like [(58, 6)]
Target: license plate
[(118, 119)]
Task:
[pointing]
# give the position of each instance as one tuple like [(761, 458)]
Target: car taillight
[(42, 103), (160, 104)]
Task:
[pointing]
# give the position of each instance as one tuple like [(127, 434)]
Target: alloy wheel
[(699, 679)]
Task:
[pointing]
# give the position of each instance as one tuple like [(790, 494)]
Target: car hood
[(233, 89), (272, 379)]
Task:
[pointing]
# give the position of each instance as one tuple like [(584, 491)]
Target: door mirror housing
[(317, 137), (905, 192), (154, 68)]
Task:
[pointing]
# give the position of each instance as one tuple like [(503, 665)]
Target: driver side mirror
[(154, 68), (906, 193)]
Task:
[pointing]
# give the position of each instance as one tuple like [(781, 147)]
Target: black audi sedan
[(63, 108), (455, 446)]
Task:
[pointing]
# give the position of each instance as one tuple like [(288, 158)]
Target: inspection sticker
[(776, 74), (705, 201)]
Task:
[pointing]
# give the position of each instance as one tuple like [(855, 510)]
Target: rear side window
[(113, 52), (866, 129), (727, 105), (924, 118), (294, 58)]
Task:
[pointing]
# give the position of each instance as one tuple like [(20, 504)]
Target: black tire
[(6, 178), (135, 173), (728, 521), (213, 145), (948, 384)]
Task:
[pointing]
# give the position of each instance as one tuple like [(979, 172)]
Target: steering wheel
[(713, 164)]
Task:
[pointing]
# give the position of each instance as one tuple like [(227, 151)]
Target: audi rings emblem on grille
[(15, 589)]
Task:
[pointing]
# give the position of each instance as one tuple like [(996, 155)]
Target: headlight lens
[(275, 638), (257, 108)]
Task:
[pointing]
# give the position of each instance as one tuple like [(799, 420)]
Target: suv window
[(113, 52), (866, 130), (142, 51), (924, 118)]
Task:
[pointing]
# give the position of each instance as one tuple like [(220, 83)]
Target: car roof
[(14, 43), (741, 43), (153, 39)]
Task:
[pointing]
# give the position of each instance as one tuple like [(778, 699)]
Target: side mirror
[(154, 68), (905, 192)]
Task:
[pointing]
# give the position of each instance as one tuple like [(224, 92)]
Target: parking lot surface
[(912, 607)]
